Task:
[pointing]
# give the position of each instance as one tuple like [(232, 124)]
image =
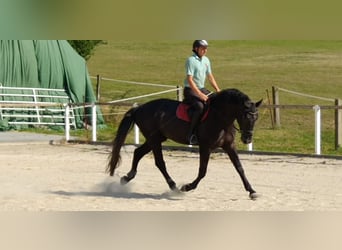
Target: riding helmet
[(199, 43)]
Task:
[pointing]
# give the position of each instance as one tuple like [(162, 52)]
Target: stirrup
[(193, 140)]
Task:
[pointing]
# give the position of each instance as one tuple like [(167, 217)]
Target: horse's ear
[(258, 103)]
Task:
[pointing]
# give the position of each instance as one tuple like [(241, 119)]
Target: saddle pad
[(182, 112)]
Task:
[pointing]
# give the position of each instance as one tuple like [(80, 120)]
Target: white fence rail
[(338, 111), (34, 106)]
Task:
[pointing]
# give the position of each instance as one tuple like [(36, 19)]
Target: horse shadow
[(116, 190)]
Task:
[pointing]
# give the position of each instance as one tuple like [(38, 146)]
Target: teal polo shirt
[(198, 68)]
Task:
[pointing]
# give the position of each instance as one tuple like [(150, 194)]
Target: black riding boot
[(192, 137)]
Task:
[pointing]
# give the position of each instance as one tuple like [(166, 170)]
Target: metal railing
[(34, 106)]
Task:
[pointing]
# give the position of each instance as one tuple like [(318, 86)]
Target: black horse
[(158, 122)]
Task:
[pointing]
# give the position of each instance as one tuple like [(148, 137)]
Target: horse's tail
[(125, 126)]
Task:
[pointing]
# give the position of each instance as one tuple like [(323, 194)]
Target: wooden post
[(98, 87), (275, 95), (271, 112), (338, 124)]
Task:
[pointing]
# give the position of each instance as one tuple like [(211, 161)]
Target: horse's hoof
[(124, 180), (185, 188), (173, 186), (176, 190), (253, 196)]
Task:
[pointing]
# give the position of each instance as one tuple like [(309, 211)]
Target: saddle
[(184, 112)]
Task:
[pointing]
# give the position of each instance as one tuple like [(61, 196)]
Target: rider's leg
[(197, 109)]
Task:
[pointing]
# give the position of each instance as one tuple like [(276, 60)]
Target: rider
[(197, 70)]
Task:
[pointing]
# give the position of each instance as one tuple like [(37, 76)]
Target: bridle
[(252, 113), (247, 113)]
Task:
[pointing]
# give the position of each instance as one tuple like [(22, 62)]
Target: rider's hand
[(204, 97)]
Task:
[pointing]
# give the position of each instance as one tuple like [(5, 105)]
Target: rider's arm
[(213, 83)]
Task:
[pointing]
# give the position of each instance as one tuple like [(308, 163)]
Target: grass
[(312, 67)]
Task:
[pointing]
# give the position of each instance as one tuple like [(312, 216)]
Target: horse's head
[(234, 104), (246, 120)]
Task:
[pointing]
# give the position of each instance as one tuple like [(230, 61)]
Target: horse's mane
[(231, 96)]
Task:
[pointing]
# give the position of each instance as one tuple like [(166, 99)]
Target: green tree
[(85, 47)]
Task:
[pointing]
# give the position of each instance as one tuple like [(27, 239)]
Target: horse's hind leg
[(138, 154), (160, 163)]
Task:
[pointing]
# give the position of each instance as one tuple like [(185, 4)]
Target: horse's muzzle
[(246, 137)]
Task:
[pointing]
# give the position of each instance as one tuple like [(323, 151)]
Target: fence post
[(250, 146), (136, 129), (93, 122), (317, 110), (179, 93), (67, 122), (136, 134), (275, 95), (271, 111), (338, 124)]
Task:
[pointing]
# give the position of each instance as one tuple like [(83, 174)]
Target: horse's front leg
[(232, 153), (204, 158), (160, 163)]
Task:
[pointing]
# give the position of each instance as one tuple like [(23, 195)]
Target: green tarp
[(51, 64)]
